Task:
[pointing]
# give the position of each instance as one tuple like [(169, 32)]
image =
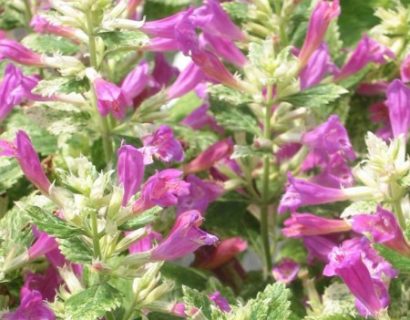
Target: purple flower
[(147, 242), (398, 102), (335, 173), (199, 118), (286, 270), (367, 51), (225, 48), (329, 138), (322, 15), (14, 89), (163, 145), (201, 194), (161, 45), (187, 80), (162, 189), (379, 113), (43, 245), (47, 284), (372, 89), (307, 224), (287, 151), (318, 66), (31, 307), (13, 50), (163, 72), (130, 170), (213, 68), (184, 238), (220, 301), (405, 69), (163, 28), (301, 193), (206, 159), (213, 19), (362, 270), (318, 247), (135, 82), (22, 149), (110, 99), (383, 228), (42, 25)]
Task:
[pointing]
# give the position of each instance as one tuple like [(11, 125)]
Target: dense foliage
[(168, 159)]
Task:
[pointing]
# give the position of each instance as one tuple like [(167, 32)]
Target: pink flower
[(306, 224), (110, 99), (46, 284), (405, 69), (163, 145), (163, 28), (184, 238), (335, 173), (398, 102), (320, 64), (318, 247), (379, 113), (367, 51), (161, 45), (163, 72), (147, 242), (130, 169), (162, 189), (224, 48), (31, 307), (13, 50), (42, 25), (372, 89), (199, 118), (301, 193), (201, 194), (15, 88), (220, 301), (217, 256), (135, 82), (286, 270), (363, 271), (213, 19), (22, 149), (206, 159), (383, 228), (187, 80), (43, 245), (323, 14)]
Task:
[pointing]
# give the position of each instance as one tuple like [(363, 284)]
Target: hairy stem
[(104, 126)]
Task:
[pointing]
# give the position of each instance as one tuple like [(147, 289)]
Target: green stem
[(96, 237), (104, 127), (130, 312), (28, 13), (264, 224)]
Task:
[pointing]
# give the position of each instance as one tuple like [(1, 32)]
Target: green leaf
[(149, 216), (184, 276), (195, 299), (235, 120), (398, 261), (184, 106), (76, 250), (10, 17), (93, 302), (247, 151), (49, 44), (61, 85), (10, 173), (51, 224), (118, 40), (238, 11), (317, 98)]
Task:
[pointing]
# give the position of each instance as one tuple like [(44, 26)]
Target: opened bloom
[(22, 149), (286, 270), (163, 145), (184, 238), (162, 189), (323, 14), (306, 224), (130, 168), (110, 98), (31, 306), (383, 228)]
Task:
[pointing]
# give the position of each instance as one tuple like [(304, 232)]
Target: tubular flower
[(186, 81), (318, 247), (110, 98), (42, 25), (220, 301), (163, 145), (306, 224), (31, 306), (13, 50), (162, 189), (206, 159), (22, 149), (199, 118), (405, 69), (184, 238), (130, 170), (286, 270), (147, 242), (135, 82), (398, 103), (323, 14)]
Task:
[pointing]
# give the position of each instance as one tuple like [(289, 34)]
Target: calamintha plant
[(210, 160)]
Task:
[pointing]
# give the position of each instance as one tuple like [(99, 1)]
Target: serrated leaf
[(238, 11), (123, 39), (235, 120), (359, 207), (10, 173), (184, 276), (149, 216), (398, 261), (75, 250), (240, 151), (317, 97), (93, 302), (61, 85), (195, 299), (49, 44), (49, 223), (221, 95)]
